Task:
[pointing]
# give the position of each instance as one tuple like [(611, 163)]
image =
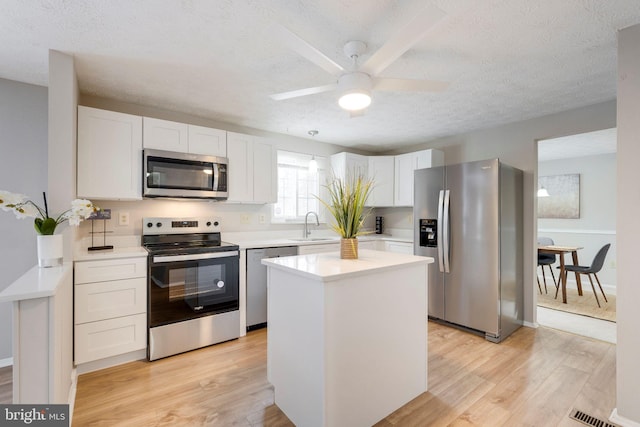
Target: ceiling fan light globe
[(355, 100)]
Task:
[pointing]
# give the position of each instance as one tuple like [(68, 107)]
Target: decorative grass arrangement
[(347, 198)]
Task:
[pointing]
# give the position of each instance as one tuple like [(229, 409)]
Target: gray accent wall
[(23, 169), (597, 223)]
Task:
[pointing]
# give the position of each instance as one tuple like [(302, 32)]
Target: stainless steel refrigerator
[(468, 217)]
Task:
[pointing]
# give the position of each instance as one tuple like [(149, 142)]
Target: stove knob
[(149, 224), (215, 224), (208, 223), (158, 224)]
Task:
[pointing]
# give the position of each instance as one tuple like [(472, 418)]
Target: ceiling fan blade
[(306, 50), (399, 85), (303, 92), (403, 40)]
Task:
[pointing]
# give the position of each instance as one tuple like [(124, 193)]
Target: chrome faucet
[(306, 231)]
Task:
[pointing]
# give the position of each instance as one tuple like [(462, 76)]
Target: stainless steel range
[(193, 285)]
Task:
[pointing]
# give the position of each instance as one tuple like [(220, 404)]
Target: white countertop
[(329, 267), (124, 252), (36, 283), (255, 240)]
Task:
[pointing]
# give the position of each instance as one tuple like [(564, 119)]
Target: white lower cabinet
[(320, 248), (367, 244), (399, 247), (106, 338), (110, 307)]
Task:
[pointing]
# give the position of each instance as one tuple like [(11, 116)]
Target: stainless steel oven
[(193, 285)]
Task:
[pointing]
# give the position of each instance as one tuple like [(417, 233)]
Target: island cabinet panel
[(330, 367)]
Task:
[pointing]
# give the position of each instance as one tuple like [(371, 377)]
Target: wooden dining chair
[(548, 260), (594, 268)]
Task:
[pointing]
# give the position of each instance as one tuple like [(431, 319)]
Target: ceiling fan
[(355, 85)]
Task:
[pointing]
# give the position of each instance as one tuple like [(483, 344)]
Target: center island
[(347, 339)]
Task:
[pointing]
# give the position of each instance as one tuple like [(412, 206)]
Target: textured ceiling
[(506, 60), (584, 144)]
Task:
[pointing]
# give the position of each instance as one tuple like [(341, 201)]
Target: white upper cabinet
[(405, 164), (184, 138), (209, 141), (252, 169), (109, 155), (344, 165), (165, 135), (265, 172), (381, 171)]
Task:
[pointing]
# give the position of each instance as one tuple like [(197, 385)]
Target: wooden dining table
[(561, 250)]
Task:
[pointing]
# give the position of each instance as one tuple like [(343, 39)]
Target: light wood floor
[(533, 378), (6, 385)]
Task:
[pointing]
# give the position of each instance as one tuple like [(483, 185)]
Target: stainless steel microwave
[(183, 175)]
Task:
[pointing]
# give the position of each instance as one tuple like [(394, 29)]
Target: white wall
[(597, 223), (23, 169), (628, 348)]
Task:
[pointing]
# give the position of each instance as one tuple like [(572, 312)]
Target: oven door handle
[(193, 257)]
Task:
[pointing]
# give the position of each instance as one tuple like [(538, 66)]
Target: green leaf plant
[(346, 203)]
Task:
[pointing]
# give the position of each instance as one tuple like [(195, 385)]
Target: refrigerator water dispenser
[(428, 233)]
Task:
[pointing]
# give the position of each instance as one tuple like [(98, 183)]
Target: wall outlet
[(244, 219), (262, 218), (123, 218)]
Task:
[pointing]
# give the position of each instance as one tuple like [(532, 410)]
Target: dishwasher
[(257, 283)]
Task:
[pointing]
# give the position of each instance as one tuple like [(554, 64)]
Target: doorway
[(576, 208)]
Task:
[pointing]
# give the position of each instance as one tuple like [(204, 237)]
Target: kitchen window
[(298, 187)]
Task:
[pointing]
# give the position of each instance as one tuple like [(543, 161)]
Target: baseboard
[(108, 362), (530, 324), (6, 362), (624, 422)]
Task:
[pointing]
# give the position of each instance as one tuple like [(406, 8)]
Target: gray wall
[(516, 145), (23, 169), (597, 223)]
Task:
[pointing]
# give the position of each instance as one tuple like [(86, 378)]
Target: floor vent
[(589, 420)]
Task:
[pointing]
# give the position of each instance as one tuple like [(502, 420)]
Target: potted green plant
[(346, 203)]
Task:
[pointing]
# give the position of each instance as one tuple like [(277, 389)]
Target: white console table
[(42, 334)]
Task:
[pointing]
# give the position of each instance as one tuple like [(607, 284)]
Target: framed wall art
[(563, 200)]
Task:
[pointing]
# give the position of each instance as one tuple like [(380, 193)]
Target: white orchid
[(22, 207), (8, 201)]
